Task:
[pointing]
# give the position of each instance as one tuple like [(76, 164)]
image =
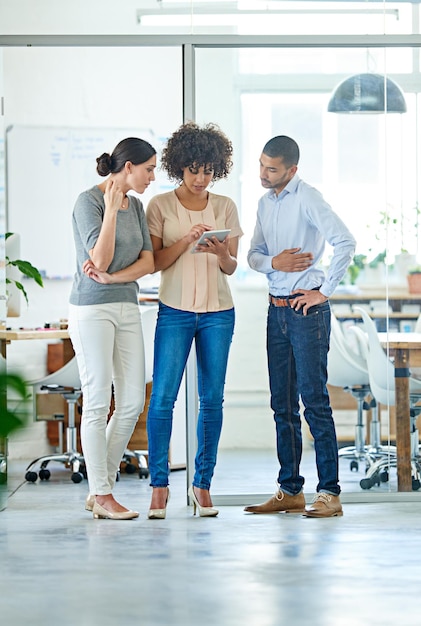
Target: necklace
[(123, 204)]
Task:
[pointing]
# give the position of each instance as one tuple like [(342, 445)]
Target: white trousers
[(108, 343)]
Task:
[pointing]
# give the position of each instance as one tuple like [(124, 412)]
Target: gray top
[(132, 236)]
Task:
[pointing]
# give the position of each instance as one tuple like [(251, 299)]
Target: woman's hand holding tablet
[(221, 235)]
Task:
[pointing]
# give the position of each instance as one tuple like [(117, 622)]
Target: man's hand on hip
[(306, 299)]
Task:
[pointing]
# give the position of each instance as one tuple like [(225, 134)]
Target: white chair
[(382, 383), (148, 317), (361, 341), (349, 370), (65, 382)]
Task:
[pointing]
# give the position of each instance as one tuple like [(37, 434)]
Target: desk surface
[(393, 293), (48, 333), (410, 341)]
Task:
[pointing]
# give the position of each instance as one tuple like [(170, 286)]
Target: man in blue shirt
[(294, 223)]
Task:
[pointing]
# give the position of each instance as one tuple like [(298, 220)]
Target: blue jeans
[(297, 347), (174, 335)]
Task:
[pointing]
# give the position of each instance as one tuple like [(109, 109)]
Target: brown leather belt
[(278, 301)]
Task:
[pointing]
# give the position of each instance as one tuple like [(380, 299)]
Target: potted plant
[(375, 269), (12, 418), (414, 279), (356, 267), (25, 268)]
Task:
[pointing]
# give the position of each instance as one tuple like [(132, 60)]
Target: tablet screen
[(219, 234)]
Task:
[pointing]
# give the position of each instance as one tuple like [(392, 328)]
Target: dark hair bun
[(104, 164)]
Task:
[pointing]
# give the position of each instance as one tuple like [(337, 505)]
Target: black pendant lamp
[(365, 93)]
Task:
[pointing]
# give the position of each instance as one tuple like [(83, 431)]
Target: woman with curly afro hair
[(195, 302)]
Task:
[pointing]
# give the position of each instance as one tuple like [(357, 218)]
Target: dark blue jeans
[(297, 347), (174, 335)]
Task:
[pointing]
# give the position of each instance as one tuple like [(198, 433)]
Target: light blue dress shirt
[(299, 217)]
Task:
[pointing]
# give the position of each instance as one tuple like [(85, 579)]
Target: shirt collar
[(291, 187)]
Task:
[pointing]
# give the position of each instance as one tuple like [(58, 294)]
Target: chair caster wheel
[(44, 474), (77, 477), (384, 477), (130, 468), (416, 484), (353, 466), (368, 483), (31, 477), (143, 473)]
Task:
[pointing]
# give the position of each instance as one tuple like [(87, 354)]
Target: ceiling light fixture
[(365, 93), (240, 9)]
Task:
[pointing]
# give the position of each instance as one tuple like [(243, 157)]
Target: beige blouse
[(194, 282)]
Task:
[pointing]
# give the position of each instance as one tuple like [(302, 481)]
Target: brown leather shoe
[(324, 505), (280, 503)]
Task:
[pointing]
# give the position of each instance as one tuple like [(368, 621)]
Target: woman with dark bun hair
[(194, 302), (113, 250)]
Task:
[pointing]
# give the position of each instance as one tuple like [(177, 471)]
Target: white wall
[(82, 88), (45, 17), (248, 417)]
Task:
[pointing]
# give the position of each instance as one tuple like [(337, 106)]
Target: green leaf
[(22, 288), (12, 420), (28, 270)]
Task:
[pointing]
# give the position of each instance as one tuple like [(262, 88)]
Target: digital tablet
[(219, 234)]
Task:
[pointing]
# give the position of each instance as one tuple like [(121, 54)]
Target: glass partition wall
[(366, 165)]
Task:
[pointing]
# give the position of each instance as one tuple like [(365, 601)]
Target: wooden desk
[(406, 349), (396, 299), (6, 336), (138, 441)]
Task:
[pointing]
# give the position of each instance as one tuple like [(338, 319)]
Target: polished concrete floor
[(59, 566)]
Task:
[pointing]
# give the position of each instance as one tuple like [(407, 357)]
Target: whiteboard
[(46, 169)]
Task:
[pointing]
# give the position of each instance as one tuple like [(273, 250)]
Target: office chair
[(65, 382), (382, 376), (349, 370), (148, 317), (362, 343)]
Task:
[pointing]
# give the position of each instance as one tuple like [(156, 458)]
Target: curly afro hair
[(193, 145)]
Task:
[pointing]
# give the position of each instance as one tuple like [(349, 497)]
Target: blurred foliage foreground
[(14, 412)]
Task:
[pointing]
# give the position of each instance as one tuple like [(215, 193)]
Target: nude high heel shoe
[(159, 513), (99, 512), (204, 511), (89, 502)]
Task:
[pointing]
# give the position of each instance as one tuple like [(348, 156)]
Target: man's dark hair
[(284, 148)]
